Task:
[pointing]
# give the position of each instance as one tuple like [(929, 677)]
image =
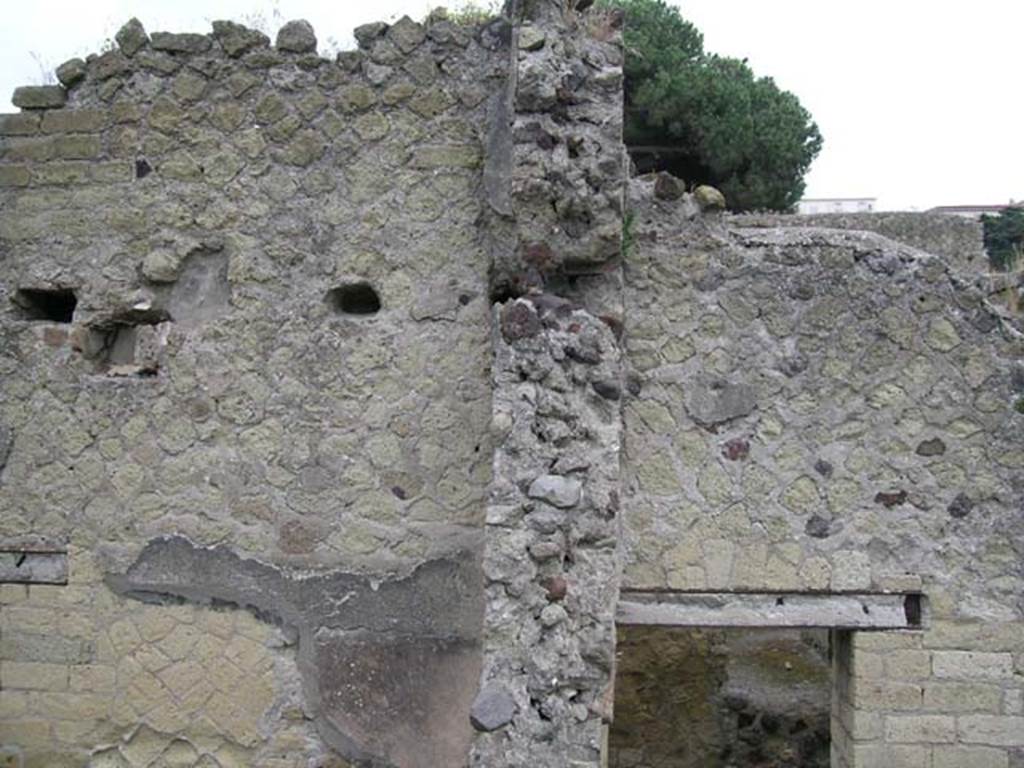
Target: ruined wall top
[(955, 238)]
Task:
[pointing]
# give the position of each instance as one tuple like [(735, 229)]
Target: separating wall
[(815, 410), (551, 555)]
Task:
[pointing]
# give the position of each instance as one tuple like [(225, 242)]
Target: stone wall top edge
[(883, 252), (955, 238), (772, 218), (168, 53)]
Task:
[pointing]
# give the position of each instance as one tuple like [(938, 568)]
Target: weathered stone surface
[(550, 425), (668, 187), (859, 468), (180, 42), (71, 72), (296, 36), (161, 266), (519, 321), (957, 239), (818, 527), (709, 198), (452, 156), (132, 37), (212, 385), (961, 506), (237, 39), (713, 401), (108, 65), (157, 61), (367, 33), (563, 492), (39, 96), (932, 447), (6, 441), (73, 121), (736, 449), (891, 498), (179, 271), (427, 621), (304, 148), (493, 708), (26, 567), (406, 34), (609, 390), (531, 38), (557, 588), (20, 124)]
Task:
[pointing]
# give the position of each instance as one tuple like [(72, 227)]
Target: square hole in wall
[(54, 305), (129, 343), (721, 698)]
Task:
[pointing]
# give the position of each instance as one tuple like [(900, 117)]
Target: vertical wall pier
[(551, 559)]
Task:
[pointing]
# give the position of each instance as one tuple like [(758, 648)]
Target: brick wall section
[(88, 676), (922, 699)]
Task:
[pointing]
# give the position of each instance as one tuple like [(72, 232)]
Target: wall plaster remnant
[(955, 238), (21, 566), (383, 663)]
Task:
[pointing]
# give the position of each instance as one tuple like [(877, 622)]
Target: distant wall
[(956, 239)]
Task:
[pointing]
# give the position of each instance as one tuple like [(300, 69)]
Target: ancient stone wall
[(957, 239), (246, 305), (551, 558), (818, 410), (248, 365), (336, 395)]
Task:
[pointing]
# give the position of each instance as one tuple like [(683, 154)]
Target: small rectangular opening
[(128, 343), (54, 305), (31, 567)]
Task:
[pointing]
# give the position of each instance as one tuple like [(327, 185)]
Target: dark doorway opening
[(721, 698)]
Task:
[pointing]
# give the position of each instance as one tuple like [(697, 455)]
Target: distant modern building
[(836, 205), (973, 211)]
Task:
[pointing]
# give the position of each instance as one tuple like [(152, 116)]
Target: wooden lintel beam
[(864, 611)]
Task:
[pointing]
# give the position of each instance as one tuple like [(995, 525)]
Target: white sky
[(919, 101)]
